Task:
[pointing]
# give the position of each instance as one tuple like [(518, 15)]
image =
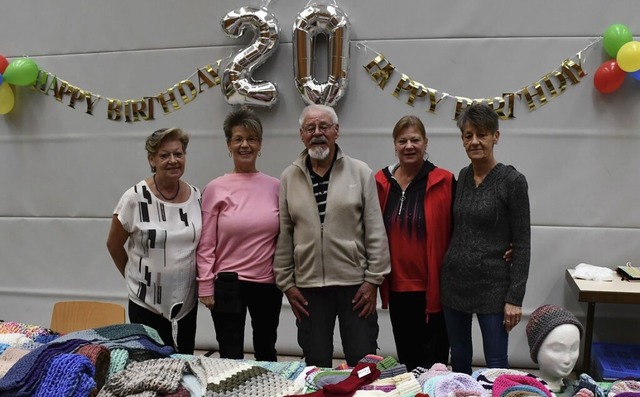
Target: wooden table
[(592, 292)]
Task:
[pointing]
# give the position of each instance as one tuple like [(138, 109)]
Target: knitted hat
[(429, 387), (435, 370), (486, 376), (584, 392), (542, 321), (624, 386), (522, 391), (458, 384), (505, 384)]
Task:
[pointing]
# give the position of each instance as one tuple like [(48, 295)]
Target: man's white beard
[(318, 152)]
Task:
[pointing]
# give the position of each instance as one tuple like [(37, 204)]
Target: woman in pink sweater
[(240, 227)]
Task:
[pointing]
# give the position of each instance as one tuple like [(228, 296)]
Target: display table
[(592, 292)]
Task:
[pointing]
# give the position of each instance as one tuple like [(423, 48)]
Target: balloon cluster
[(618, 43), (22, 72)]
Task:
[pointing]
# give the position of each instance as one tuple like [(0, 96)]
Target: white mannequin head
[(558, 355), (553, 334)]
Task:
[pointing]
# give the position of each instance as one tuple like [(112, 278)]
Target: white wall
[(62, 171)]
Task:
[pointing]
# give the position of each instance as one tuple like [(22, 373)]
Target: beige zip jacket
[(350, 248)]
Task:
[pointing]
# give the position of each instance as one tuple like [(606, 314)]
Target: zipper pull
[(401, 202)]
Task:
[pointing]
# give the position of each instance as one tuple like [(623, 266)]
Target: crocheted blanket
[(127, 360)]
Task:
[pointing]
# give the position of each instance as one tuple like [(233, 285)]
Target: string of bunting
[(536, 94)]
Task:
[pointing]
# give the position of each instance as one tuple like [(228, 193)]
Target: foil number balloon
[(312, 21), (238, 87)]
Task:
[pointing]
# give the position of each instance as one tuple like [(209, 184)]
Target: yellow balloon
[(628, 56), (7, 99)]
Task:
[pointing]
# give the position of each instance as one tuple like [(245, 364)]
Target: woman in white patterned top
[(159, 219)]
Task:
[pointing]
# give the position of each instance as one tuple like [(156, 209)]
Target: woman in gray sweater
[(491, 211)]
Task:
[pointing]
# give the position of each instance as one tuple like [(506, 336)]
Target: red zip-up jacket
[(437, 208)]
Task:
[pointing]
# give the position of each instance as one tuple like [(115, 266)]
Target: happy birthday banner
[(380, 69), (130, 110), (234, 73), (536, 94)]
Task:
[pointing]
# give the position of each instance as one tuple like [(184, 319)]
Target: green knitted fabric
[(225, 377), (119, 359), (386, 363)]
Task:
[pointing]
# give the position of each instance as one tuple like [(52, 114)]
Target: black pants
[(186, 326), (418, 343), (264, 302), (315, 333)]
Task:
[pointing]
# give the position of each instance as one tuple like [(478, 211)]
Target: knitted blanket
[(25, 376), (140, 341), (217, 377), (28, 373)]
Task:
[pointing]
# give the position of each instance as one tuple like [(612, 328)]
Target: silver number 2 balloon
[(237, 84), (314, 20)]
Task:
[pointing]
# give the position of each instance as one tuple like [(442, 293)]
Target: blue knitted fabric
[(24, 377), (69, 375), (46, 338)]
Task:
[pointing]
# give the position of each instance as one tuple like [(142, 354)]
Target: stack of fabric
[(489, 376), (124, 360), (78, 363), (373, 376)]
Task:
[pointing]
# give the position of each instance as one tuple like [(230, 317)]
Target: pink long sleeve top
[(240, 227)]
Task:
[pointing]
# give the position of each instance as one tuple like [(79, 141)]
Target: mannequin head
[(554, 336), (558, 354)]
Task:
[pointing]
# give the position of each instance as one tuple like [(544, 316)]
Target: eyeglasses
[(311, 128), (238, 140)]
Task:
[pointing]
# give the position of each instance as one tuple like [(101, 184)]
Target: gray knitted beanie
[(543, 320)]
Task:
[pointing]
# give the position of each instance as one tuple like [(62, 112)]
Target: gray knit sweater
[(486, 219)]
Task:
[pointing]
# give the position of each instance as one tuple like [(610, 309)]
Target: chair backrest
[(73, 316)]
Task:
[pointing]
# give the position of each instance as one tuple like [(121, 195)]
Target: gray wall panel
[(63, 170)]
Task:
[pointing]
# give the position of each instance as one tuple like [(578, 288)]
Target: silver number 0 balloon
[(314, 20), (237, 84)]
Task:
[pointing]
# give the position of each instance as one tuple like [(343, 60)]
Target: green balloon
[(615, 37), (21, 71)]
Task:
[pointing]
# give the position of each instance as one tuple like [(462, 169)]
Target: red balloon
[(3, 63), (609, 77)]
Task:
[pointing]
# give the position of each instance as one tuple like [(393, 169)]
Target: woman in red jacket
[(416, 199)]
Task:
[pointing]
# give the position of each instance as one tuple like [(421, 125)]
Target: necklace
[(159, 191)]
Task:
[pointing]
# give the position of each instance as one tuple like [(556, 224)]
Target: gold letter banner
[(129, 110), (536, 94)]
